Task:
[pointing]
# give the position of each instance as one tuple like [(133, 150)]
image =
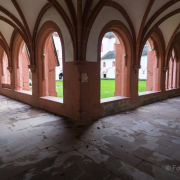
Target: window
[(51, 74), (102, 47), (149, 74), (104, 64), (113, 64), (114, 47)]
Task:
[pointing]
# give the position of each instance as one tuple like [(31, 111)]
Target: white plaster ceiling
[(63, 4), (155, 7), (31, 10), (7, 17), (167, 11), (8, 5), (106, 15), (7, 30), (169, 26), (134, 8), (52, 14)]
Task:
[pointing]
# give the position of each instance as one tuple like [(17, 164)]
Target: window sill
[(148, 92), (24, 92), (6, 88), (116, 98), (171, 89), (54, 99)]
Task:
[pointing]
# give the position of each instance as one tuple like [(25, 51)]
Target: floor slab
[(141, 144)]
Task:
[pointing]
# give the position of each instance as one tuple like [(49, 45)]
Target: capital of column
[(166, 69), (32, 68), (136, 68), (10, 69)]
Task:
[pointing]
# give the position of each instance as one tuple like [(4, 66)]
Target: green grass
[(107, 88), (59, 88), (141, 86)]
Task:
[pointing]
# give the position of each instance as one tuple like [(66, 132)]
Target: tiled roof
[(109, 34), (144, 53), (110, 55)]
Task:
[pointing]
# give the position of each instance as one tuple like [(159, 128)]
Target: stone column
[(118, 72), (178, 74), (167, 79), (11, 85), (172, 67), (175, 75)]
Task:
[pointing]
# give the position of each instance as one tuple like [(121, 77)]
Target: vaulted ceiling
[(144, 15)]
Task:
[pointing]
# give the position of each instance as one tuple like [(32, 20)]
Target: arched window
[(115, 83), (113, 64), (104, 64), (50, 63), (21, 60), (114, 48), (149, 74)]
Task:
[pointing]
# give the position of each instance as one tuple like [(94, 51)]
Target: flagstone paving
[(141, 144)]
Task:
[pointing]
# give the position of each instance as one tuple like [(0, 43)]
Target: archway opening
[(143, 70), (172, 74), (108, 56), (5, 80), (24, 76), (51, 67), (149, 74), (59, 68), (114, 68)]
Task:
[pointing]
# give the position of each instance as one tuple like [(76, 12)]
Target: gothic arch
[(47, 29), (155, 78), (20, 61), (124, 57)]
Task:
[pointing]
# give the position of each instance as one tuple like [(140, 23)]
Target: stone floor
[(141, 144)]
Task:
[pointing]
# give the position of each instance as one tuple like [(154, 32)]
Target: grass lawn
[(107, 88), (141, 86), (59, 88)]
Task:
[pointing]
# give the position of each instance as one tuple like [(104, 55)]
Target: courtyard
[(107, 88)]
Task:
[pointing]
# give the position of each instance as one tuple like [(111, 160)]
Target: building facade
[(108, 58)]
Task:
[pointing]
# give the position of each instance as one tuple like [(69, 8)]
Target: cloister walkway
[(140, 144)]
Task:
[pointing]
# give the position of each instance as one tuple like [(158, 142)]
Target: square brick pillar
[(82, 90)]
